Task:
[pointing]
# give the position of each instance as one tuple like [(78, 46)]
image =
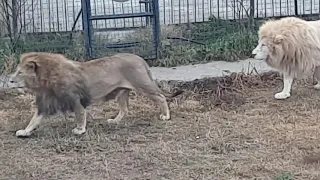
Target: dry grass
[(227, 128)]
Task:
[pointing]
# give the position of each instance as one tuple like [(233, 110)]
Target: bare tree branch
[(11, 12)]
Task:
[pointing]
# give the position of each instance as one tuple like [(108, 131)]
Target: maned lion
[(63, 85), (291, 46)]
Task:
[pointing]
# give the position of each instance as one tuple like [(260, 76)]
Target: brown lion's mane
[(49, 103), (58, 83), (294, 45)]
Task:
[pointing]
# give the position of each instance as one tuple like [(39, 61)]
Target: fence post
[(251, 18), (156, 26), (296, 7), (87, 26)]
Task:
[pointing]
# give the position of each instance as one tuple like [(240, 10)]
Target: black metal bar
[(76, 20), (195, 10), (156, 26), (87, 26), (132, 12), (49, 7), (272, 7), (311, 7), (218, 5), (41, 21), (164, 12), (32, 8), (172, 12), (104, 12), (179, 11), (65, 14), (124, 21), (265, 8), (58, 22), (147, 9), (118, 16), (304, 12), (252, 9)]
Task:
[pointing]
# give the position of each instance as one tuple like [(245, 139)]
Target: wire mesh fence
[(191, 30), (60, 15)]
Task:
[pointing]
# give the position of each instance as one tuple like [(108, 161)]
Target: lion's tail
[(168, 95)]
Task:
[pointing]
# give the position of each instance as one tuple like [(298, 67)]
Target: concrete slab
[(212, 69)]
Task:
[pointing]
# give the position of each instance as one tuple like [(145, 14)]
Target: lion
[(291, 46), (63, 85)]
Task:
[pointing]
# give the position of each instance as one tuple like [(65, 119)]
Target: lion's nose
[(11, 80), (252, 55)]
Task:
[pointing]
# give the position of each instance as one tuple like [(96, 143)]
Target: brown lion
[(291, 46), (63, 85)]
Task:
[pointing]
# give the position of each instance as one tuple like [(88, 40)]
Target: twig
[(185, 39), (231, 88)]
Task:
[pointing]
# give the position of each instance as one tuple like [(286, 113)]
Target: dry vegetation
[(226, 128)]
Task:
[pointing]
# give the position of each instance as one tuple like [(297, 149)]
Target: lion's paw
[(23, 133), (78, 131), (164, 117), (282, 95), (113, 121), (317, 87)]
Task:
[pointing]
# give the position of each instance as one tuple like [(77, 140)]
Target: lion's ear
[(278, 39), (33, 65)]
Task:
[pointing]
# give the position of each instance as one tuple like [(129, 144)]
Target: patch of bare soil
[(221, 128)]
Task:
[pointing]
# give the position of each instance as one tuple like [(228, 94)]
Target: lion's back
[(117, 60), (119, 67)]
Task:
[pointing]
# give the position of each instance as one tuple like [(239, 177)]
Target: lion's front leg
[(286, 91), (81, 120), (34, 122)]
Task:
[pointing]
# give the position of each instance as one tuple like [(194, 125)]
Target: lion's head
[(290, 45), (57, 82)]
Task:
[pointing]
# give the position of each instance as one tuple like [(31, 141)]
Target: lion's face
[(24, 75), (261, 52)]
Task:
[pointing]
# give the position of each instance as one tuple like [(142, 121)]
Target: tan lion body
[(64, 85), (291, 46)]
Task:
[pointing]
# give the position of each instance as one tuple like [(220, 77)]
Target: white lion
[(291, 46)]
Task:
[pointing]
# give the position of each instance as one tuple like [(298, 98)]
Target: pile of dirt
[(226, 92)]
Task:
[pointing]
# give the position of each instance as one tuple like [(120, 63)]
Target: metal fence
[(60, 15), (35, 18)]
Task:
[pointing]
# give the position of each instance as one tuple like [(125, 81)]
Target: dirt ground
[(226, 129)]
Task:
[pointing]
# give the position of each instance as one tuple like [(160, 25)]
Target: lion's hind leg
[(34, 122), (123, 100), (161, 100), (149, 88), (152, 92)]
